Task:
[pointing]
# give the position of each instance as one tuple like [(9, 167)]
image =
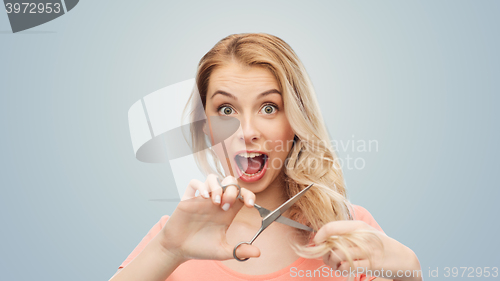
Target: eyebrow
[(268, 92)]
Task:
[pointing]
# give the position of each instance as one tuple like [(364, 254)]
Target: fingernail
[(217, 199), (251, 202), (225, 207), (205, 194)]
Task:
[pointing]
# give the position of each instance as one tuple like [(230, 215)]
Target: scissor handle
[(235, 184), (236, 247)]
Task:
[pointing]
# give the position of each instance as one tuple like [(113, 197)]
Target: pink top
[(208, 270)]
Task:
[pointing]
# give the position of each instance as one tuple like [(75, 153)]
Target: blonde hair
[(326, 201)]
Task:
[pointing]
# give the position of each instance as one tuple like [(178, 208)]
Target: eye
[(269, 109), (225, 110)]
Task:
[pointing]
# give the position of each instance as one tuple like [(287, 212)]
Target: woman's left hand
[(394, 258)]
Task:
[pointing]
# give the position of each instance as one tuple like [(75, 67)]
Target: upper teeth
[(249, 155)]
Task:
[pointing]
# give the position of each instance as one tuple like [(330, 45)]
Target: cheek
[(280, 140), (219, 151)]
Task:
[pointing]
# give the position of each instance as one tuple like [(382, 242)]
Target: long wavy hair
[(311, 158)]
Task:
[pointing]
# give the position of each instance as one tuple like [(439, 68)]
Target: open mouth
[(251, 164)]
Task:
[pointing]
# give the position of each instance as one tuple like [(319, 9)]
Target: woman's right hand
[(197, 227)]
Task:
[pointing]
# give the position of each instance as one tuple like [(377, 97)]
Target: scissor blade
[(292, 223), (262, 211), (281, 209), (284, 220)]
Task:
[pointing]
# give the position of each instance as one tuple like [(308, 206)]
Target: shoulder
[(157, 227), (145, 240), (359, 212), (362, 214), (163, 220)]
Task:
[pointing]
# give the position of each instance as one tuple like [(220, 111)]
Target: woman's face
[(257, 151)]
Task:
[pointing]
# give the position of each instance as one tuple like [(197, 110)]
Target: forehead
[(238, 78)]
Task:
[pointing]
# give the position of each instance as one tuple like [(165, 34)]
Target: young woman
[(282, 147)]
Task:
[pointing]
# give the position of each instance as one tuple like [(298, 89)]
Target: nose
[(248, 131)]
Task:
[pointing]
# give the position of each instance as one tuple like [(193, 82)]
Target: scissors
[(269, 217)]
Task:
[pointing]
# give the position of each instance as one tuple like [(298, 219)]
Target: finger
[(335, 257), (363, 264), (190, 192), (214, 188), (229, 196), (247, 251), (204, 190), (336, 228), (248, 197), (359, 267), (332, 260)]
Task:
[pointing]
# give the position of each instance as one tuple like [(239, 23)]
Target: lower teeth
[(250, 174)]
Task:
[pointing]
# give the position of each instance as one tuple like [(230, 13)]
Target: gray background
[(421, 78)]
